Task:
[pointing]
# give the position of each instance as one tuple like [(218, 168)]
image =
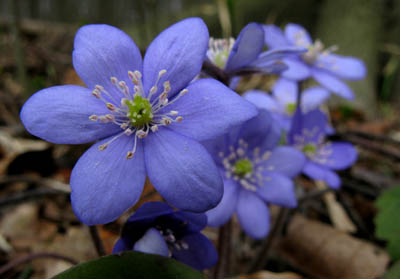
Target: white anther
[(111, 107), (183, 92), (179, 119), (114, 80), (184, 245), (166, 121), (167, 86), (104, 119), (99, 87), (154, 128), (124, 125), (129, 155), (110, 117), (137, 74), (173, 112), (103, 146), (128, 132), (93, 117), (161, 73), (124, 102), (141, 134), (96, 93)]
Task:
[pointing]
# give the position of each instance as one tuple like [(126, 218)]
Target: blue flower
[(308, 134), (322, 64), (255, 171), (156, 228), (246, 53), (147, 115), (282, 103)]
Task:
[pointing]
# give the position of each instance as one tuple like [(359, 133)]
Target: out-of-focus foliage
[(387, 224)]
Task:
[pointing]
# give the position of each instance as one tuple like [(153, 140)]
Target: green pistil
[(139, 111), (221, 58), (309, 148), (243, 167), (290, 108)]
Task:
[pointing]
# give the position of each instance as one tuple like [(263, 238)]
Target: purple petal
[(152, 242), (262, 100), (276, 54), (200, 253), (319, 172), (150, 210), (345, 67), (285, 91), (297, 35), (333, 84), (207, 110), (221, 214), (247, 47), (195, 222), (180, 49), (104, 183), (260, 131), (60, 114), (286, 160), (313, 97), (253, 214), (274, 37), (121, 245), (182, 171), (101, 52), (279, 189), (342, 156), (297, 69)]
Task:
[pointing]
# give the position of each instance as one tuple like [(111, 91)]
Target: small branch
[(50, 183), (28, 196), (28, 258), (224, 250), (215, 72), (94, 233), (262, 258)]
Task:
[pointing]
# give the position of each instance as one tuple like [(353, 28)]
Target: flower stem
[(262, 257), (224, 250), (94, 233)]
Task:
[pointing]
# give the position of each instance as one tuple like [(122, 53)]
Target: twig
[(28, 258), (94, 233), (28, 196), (50, 183), (369, 136), (224, 250), (262, 257)]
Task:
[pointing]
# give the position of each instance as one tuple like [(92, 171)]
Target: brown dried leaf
[(327, 253)]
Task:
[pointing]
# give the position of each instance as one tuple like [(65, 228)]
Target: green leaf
[(131, 264), (393, 272), (386, 221)]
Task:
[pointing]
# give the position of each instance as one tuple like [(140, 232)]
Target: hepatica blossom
[(147, 116), (282, 102), (246, 52), (156, 228), (308, 134), (318, 62), (255, 171)]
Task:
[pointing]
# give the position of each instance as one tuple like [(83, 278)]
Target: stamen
[(93, 117)]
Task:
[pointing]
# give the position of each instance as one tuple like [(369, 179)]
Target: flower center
[(291, 108), (219, 50), (309, 149), (247, 167), (139, 111), (243, 167), (315, 50)]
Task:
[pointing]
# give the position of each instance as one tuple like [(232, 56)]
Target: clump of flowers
[(255, 171), (156, 228), (308, 134), (148, 116), (318, 62), (283, 101), (246, 53)]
